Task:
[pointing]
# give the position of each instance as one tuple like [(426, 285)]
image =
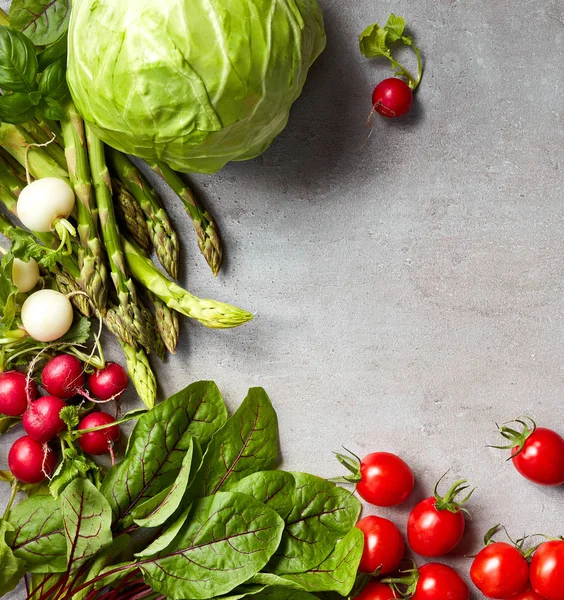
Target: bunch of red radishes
[(31, 459), (503, 571)]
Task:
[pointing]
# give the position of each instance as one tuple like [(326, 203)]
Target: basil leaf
[(275, 489), (52, 53), (235, 527), (43, 21), (156, 511), (322, 514), (12, 568), (157, 445), (38, 537), (337, 573), (50, 109), (53, 81), (87, 519), (16, 108), (247, 443), (18, 61)]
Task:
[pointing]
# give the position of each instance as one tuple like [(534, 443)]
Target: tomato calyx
[(520, 544), (351, 462), (450, 501), (405, 586), (516, 438)]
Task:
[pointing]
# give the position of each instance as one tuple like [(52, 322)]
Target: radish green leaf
[(158, 443), (38, 536), (237, 528), (275, 489), (337, 573), (87, 519), (247, 443), (322, 514), (11, 567)]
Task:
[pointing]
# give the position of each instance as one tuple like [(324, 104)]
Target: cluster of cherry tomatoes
[(501, 570)]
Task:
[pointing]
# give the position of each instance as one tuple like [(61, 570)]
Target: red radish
[(63, 376), (98, 442), (14, 396), (30, 461), (392, 97), (108, 383), (41, 420)]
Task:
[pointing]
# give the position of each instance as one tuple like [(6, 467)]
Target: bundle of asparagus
[(138, 302)]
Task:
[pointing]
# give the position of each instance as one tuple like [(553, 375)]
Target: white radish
[(47, 315), (44, 202), (25, 275)]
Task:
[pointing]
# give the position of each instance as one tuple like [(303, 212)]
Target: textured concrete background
[(408, 288)]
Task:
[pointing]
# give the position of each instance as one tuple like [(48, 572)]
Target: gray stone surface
[(407, 288)]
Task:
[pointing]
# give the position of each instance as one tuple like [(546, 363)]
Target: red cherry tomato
[(385, 479), (376, 591), (383, 545), (500, 571), (528, 594), (434, 532), (542, 457), (547, 570), (436, 525), (392, 97), (439, 582)]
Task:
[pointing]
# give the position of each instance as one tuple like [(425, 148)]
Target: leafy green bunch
[(196, 509), (34, 84)]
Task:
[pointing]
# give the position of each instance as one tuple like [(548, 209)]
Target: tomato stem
[(450, 501), (516, 438), (352, 464)]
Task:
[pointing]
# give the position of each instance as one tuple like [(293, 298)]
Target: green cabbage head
[(193, 83)]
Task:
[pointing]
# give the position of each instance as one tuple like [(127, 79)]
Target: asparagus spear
[(9, 180), (206, 229), (158, 344), (13, 165), (163, 235), (14, 140), (167, 323), (141, 374), (127, 316), (131, 215), (67, 285), (210, 313), (93, 272), (40, 136)]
